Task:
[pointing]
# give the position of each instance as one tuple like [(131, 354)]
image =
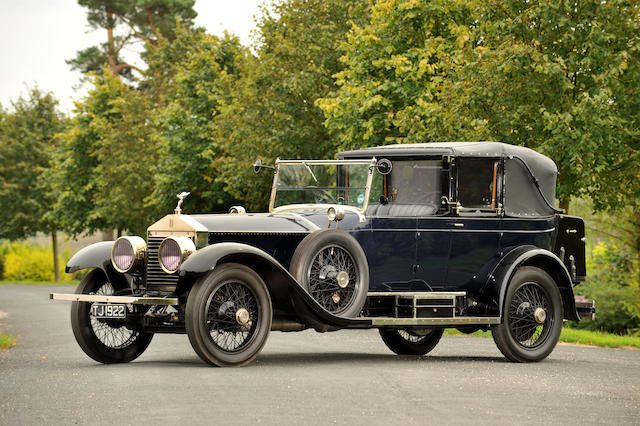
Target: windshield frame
[(369, 162)]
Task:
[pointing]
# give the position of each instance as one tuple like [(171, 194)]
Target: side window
[(415, 182), (478, 183)]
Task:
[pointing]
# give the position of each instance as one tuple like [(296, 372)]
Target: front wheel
[(105, 340), (532, 319), (411, 341), (228, 315)]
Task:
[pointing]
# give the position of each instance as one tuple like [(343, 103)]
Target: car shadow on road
[(324, 358), (361, 358)]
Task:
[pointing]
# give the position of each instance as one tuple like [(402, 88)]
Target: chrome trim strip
[(377, 322), (479, 231), (419, 294), (115, 299)]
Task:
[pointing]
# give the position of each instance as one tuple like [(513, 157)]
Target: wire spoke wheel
[(327, 268), (228, 315), (228, 331), (111, 333), (332, 267), (532, 314), (525, 328), (106, 340), (411, 341)]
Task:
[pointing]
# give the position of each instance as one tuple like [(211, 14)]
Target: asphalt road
[(345, 377)]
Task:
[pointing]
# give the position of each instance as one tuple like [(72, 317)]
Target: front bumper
[(134, 300)]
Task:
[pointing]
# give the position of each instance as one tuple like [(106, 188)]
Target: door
[(475, 225)]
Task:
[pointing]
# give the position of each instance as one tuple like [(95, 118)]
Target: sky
[(37, 36)]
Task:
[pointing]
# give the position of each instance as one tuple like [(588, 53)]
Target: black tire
[(214, 319), (316, 263), (522, 336), (410, 341), (104, 341)]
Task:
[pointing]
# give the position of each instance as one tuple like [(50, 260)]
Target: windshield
[(345, 182)]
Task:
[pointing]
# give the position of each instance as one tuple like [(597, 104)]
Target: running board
[(380, 322), (115, 299)]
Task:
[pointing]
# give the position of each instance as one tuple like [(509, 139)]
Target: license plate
[(107, 310)]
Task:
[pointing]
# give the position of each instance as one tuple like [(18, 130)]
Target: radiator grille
[(157, 279)]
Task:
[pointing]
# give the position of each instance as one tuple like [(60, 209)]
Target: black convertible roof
[(458, 149), (517, 178)]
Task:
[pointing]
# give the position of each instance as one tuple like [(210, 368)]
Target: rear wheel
[(228, 315), (411, 341), (105, 340), (532, 317)]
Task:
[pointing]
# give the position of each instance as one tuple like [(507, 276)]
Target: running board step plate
[(172, 301), (379, 322)]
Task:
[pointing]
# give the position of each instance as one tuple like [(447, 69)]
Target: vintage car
[(408, 239)]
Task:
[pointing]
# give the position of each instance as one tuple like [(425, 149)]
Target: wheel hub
[(242, 316), (343, 279), (540, 315)]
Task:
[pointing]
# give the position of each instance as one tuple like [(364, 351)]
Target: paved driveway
[(345, 377)]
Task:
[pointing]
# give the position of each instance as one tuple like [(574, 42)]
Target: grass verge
[(576, 336), (7, 341), (72, 282)]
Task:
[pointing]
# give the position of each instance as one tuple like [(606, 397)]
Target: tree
[(197, 72), (27, 144), (397, 75), (107, 160), (559, 77), (146, 21), (272, 112)]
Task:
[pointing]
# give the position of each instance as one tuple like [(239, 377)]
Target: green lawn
[(582, 337), (7, 341), (72, 282)]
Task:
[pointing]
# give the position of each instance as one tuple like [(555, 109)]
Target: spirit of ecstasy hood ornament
[(181, 198)]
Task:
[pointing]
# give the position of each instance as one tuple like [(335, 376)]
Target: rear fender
[(540, 258), (287, 295), (98, 256)]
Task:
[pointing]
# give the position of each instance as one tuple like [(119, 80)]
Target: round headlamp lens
[(127, 254), (170, 255), (123, 255)]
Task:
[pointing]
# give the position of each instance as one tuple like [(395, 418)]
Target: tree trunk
[(564, 203), (111, 50), (107, 235), (54, 247)]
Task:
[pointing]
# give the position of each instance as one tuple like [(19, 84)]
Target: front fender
[(543, 259), (286, 293), (97, 255)]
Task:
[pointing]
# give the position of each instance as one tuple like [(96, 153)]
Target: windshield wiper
[(304, 163)]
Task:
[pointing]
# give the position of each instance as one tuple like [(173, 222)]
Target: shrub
[(612, 281), (24, 261)]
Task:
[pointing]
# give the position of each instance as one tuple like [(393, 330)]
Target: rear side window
[(478, 183)]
